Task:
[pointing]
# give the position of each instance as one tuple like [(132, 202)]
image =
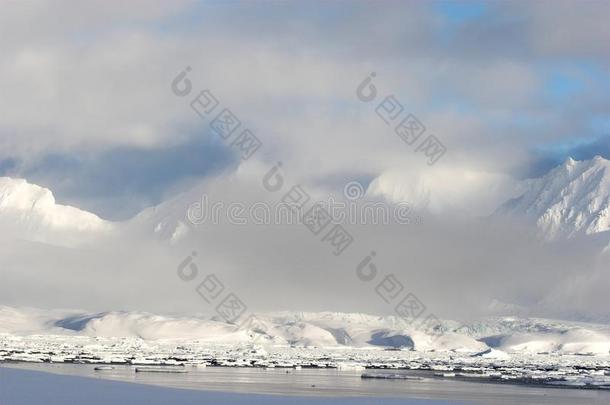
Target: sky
[(511, 89), (97, 106)]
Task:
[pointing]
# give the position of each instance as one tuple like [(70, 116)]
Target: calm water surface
[(331, 383)]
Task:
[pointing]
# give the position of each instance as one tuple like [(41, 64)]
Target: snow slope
[(326, 329), (534, 335), (571, 200), (30, 212)]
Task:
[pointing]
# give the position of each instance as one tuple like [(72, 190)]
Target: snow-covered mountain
[(28, 211), (168, 220), (571, 200), (325, 329)]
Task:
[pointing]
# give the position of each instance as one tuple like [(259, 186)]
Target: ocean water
[(248, 385)]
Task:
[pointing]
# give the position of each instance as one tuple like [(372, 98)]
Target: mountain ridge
[(572, 199), (31, 212), (313, 329)]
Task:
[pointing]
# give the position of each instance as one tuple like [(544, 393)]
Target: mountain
[(571, 200), (168, 220), (310, 329), (28, 211)]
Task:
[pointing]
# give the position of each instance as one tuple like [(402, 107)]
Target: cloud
[(289, 70), (88, 112), (456, 267), (463, 192), (120, 182)]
